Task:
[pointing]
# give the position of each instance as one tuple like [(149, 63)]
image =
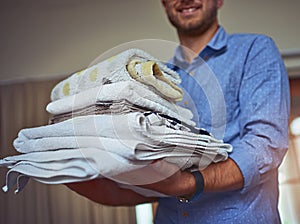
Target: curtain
[(22, 104)]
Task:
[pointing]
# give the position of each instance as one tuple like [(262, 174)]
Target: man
[(253, 80)]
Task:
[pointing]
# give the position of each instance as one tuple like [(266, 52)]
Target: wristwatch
[(199, 187)]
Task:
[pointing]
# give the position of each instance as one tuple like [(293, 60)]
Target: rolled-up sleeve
[(264, 99)]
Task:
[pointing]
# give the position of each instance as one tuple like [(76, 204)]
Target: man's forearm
[(107, 192), (218, 177), (222, 176)]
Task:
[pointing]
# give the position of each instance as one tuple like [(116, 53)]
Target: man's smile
[(188, 10)]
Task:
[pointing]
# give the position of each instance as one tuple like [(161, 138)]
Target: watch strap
[(199, 187)]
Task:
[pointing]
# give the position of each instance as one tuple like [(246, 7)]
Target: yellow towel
[(150, 74)]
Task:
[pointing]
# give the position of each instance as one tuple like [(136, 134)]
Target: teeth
[(188, 10)]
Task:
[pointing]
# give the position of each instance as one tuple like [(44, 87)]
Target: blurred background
[(44, 41)]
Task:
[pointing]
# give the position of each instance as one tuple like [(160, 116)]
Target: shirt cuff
[(247, 163)]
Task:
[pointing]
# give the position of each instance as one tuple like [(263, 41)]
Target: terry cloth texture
[(110, 119), (132, 91), (133, 64)]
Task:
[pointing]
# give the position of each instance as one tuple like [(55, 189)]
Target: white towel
[(65, 166), (130, 129), (73, 165), (77, 165), (131, 91), (145, 69), (143, 142), (134, 136), (125, 153), (136, 149), (89, 147), (105, 125)]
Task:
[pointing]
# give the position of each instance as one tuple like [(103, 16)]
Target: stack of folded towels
[(117, 116)]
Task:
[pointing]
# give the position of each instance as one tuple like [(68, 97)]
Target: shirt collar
[(217, 43), (219, 40)]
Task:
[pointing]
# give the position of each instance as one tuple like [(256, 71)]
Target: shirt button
[(184, 214), (186, 103), (205, 58)]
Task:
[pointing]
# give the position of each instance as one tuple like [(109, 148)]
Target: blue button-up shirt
[(238, 90)]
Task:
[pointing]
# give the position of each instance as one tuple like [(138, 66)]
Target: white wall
[(279, 19), (50, 37)]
